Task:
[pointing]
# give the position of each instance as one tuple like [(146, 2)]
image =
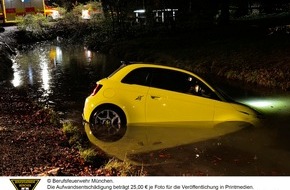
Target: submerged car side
[(153, 94)]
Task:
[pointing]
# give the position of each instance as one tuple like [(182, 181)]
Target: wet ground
[(60, 77)]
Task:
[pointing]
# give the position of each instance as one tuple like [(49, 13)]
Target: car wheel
[(108, 123)]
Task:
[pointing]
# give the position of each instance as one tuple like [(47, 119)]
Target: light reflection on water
[(269, 101), (45, 72), (141, 138), (270, 105), (17, 79), (56, 72), (24, 66)]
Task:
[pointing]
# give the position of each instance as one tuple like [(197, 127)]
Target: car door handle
[(155, 97)]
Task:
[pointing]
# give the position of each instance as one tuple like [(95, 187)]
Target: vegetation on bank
[(5, 53)]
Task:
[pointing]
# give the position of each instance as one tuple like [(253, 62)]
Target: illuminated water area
[(59, 76)]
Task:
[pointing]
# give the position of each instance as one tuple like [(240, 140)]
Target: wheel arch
[(112, 106)]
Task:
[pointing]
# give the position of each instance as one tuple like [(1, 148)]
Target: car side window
[(198, 88), (169, 80), (181, 82), (139, 76)]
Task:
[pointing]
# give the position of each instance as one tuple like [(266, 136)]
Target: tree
[(118, 12), (225, 12), (273, 6), (243, 8)]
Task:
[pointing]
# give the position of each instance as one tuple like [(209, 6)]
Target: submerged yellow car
[(149, 94)]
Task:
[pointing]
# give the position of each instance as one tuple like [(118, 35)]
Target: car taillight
[(97, 88)]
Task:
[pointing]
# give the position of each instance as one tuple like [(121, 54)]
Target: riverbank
[(34, 142), (30, 143), (7, 44)]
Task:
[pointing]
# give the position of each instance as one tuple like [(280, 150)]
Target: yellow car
[(149, 94)]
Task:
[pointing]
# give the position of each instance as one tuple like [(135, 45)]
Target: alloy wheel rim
[(108, 119)]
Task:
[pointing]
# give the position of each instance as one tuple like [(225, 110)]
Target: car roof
[(135, 65), (126, 68)]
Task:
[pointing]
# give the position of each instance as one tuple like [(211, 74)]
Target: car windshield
[(227, 97), (219, 91)]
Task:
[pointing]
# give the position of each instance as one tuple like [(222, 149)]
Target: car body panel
[(168, 106), (133, 105)]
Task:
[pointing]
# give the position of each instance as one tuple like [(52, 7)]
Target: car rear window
[(139, 76), (122, 66)]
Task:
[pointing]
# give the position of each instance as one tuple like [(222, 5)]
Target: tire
[(108, 123)]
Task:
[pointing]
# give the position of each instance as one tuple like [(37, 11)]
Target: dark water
[(61, 77)]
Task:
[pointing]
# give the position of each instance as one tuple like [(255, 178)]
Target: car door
[(132, 94), (170, 100)]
